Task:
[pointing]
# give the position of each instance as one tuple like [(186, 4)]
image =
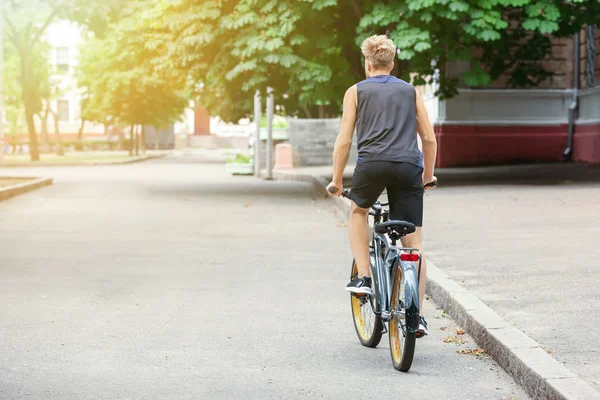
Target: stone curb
[(83, 164), (15, 190), (540, 375)]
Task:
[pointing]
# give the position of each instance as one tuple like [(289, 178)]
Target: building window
[(63, 110), (62, 59)]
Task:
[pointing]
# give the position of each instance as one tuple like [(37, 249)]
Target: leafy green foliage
[(147, 57), (25, 23), (233, 48), (120, 85), (13, 99), (431, 33)]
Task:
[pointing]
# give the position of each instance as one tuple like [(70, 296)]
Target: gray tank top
[(386, 121)]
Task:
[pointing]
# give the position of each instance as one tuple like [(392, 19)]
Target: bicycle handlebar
[(431, 184), (345, 193)]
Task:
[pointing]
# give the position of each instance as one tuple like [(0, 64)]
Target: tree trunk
[(321, 111), (357, 11), (108, 136), (156, 139), (44, 131), (131, 139), (121, 138), (29, 103), (137, 140), (60, 151), (33, 140), (143, 138), (306, 112), (79, 142)]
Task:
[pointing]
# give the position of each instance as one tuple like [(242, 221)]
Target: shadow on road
[(527, 175), (188, 157), (239, 187)]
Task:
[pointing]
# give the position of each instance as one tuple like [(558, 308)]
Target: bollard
[(284, 156)]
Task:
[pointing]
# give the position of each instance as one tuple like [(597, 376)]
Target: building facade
[(65, 39), (559, 120)]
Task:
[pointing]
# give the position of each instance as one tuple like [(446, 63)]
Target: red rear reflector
[(409, 256)]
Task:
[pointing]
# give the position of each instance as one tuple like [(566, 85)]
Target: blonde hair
[(379, 50)]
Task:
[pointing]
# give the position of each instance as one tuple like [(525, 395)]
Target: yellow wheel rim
[(364, 317), (396, 333)]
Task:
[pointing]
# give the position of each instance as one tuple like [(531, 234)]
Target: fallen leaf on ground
[(454, 339), (460, 331), (471, 352), (247, 204), (547, 351), (443, 328), (341, 225)]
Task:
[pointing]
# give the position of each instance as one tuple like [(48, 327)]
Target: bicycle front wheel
[(402, 342), (368, 325)]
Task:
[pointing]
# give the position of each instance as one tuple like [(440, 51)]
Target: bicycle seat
[(402, 228)]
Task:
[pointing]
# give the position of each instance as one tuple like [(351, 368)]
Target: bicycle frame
[(384, 270)]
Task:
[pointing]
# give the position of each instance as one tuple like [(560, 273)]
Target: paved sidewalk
[(524, 239), (528, 247), (170, 279)]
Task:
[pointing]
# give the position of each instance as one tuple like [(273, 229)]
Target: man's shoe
[(360, 286), (422, 328)]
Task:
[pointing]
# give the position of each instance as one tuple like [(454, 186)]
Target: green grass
[(71, 158)]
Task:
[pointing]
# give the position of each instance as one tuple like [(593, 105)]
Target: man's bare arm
[(425, 130), (343, 143)]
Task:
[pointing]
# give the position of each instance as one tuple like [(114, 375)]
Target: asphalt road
[(170, 279)]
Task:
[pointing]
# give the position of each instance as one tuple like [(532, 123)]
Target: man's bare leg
[(359, 239), (415, 241)]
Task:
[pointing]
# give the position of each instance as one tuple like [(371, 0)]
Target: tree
[(309, 50), (236, 47), (120, 85), (510, 36), (50, 89), (13, 100), (26, 22)]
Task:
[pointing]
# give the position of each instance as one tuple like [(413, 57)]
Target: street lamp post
[(270, 112), (257, 116)]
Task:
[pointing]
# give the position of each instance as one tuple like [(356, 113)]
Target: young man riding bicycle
[(387, 114)]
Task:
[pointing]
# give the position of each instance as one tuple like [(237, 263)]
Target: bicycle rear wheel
[(402, 342), (368, 325)]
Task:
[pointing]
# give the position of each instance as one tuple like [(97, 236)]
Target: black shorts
[(404, 183)]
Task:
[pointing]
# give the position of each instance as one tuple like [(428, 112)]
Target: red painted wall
[(586, 143), (462, 145)]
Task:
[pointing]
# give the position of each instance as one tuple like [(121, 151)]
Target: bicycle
[(395, 299)]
